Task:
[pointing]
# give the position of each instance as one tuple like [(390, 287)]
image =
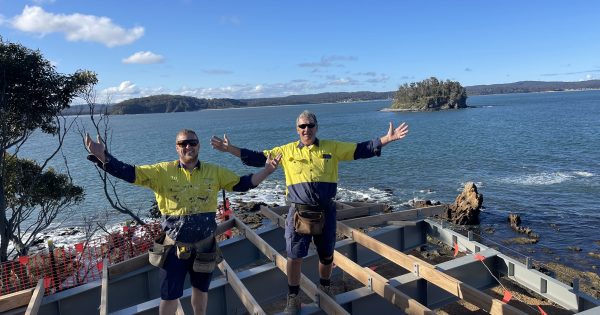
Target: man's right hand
[(220, 144), (95, 148)]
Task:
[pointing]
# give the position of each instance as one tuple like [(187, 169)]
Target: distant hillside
[(177, 103), (531, 86), (171, 103), (338, 97)]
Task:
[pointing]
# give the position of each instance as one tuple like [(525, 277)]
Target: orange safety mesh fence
[(70, 266)]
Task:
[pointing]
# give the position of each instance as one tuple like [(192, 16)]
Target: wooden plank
[(412, 214), (240, 289), (380, 285), (326, 303), (358, 212), (104, 290), (15, 299), (36, 299), (128, 266), (429, 273), (224, 226), (368, 277)]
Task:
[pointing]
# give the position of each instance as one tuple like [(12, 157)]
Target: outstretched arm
[(270, 167), (224, 145), (108, 163), (394, 134), (248, 157), (252, 180)]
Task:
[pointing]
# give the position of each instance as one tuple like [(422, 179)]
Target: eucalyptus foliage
[(32, 95)]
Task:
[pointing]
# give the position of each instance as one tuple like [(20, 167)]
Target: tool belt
[(309, 219), (203, 261)]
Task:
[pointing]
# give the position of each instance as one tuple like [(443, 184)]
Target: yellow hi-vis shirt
[(180, 192), (311, 172)]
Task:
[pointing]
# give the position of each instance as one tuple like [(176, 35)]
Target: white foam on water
[(544, 178), (371, 194)]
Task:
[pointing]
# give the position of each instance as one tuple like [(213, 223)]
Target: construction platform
[(252, 278)]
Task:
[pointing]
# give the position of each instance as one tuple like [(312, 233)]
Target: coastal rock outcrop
[(466, 208)]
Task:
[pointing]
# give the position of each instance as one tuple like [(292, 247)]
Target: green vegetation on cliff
[(430, 94), (171, 103)]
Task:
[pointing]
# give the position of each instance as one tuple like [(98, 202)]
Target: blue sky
[(248, 49)]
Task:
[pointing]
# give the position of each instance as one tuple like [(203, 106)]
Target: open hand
[(220, 144), (95, 148), (271, 164), (394, 134)]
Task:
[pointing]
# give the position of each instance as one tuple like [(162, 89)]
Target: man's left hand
[(394, 134)]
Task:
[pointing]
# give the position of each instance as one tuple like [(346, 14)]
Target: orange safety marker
[(479, 257), (79, 247), (455, 249), (507, 296), (47, 282), (23, 260), (541, 310)]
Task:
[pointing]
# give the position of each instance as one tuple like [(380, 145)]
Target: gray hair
[(308, 115), (186, 132)]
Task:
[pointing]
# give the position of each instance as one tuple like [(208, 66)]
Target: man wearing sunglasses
[(311, 174), (186, 191)]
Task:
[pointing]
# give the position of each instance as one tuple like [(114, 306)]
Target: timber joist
[(424, 270)]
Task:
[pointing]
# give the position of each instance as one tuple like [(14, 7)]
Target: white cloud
[(126, 87), (75, 27), (327, 61), (144, 57)]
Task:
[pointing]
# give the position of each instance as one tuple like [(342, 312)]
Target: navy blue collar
[(181, 166), (301, 145)]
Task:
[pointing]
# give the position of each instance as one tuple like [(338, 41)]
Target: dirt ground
[(435, 252)]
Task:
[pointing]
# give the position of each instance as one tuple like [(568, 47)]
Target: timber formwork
[(253, 274)]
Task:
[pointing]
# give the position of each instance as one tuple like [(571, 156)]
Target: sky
[(250, 49)]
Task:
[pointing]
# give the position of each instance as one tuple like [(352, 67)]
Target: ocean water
[(536, 155)]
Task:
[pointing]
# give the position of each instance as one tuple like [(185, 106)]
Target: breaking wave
[(545, 178)]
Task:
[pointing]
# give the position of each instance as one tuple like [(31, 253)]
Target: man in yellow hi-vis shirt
[(311, 175), (186, 192)]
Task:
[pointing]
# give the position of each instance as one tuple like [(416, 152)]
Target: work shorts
[(297, 244), (173, 272)]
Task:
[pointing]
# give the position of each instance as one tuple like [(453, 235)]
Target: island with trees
[(430, 95)]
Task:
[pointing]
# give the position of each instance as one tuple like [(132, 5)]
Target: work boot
[(293, 305), (327, 290)]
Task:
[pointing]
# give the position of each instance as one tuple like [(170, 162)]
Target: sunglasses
[(185, 143), (303, 126)]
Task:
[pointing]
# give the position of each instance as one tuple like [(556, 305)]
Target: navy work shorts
[(297, 244), (173, 272)]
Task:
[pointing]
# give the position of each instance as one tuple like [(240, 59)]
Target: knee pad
[(326, 260)]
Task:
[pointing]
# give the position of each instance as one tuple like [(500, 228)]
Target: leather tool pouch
[(158, 253), (309, 222), (206, 262)]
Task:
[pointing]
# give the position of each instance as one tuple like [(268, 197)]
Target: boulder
[(466, 208)]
